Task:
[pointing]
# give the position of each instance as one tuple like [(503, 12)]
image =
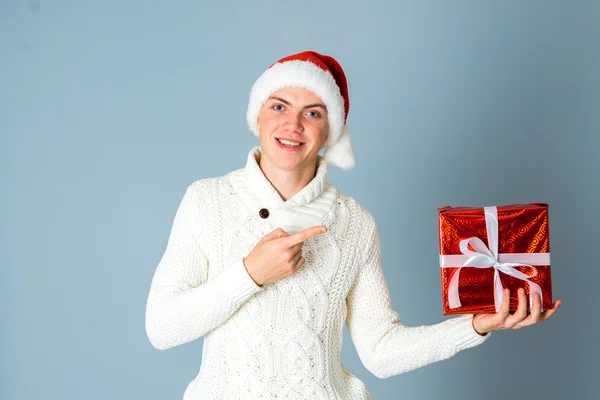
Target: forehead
[(297, 95)]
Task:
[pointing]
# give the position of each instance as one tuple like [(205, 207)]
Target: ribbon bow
[(484, 257)]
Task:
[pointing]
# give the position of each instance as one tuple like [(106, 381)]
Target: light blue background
[(109, 109)]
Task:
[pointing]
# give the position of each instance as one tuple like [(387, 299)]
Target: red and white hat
[(322, 75)]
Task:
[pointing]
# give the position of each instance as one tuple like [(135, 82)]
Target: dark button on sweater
[(264, 213)]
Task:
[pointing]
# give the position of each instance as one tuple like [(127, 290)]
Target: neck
[(287, 183)]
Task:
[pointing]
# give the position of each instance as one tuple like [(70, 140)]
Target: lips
[(289, 140), (289, 148)]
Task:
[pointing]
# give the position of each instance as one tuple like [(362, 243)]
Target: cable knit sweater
[(283, 340)]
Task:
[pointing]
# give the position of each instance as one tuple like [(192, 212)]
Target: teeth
[(287, 143)]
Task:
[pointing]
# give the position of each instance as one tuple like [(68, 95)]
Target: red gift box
[(486, 249)]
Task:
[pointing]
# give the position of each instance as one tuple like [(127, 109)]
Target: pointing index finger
[(305, 234)]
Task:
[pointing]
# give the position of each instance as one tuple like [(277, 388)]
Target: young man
[(268, 262)]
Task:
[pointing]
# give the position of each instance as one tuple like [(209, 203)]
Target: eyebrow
[(288, 103)]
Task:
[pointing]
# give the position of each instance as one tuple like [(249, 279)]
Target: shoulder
[(358, 213), (361, 226), (213, 186)]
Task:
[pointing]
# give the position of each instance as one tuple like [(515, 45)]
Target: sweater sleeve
[(183, 304), (384, 345)]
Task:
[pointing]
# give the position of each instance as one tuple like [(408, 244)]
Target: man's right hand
[(278, 254)]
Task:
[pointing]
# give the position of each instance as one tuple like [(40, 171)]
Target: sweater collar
[(260, 185), (312, 205)]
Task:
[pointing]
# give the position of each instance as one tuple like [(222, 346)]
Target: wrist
[(256, 281), (475, 328)]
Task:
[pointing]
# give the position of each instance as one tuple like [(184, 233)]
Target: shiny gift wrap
[(521, 245)]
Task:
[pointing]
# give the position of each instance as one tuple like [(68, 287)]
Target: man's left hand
[(503, 319)]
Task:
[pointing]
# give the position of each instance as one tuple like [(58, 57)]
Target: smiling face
[(293, 125)]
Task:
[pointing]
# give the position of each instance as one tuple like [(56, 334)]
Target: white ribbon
[(484, 257)]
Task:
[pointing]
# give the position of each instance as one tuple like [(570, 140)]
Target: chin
[(289, 164)]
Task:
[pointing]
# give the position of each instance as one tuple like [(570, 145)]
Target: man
[(269, 261)]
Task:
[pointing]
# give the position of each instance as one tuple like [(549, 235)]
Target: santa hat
[(322, 75)]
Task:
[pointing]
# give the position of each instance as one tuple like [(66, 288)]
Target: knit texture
[(283, 340)]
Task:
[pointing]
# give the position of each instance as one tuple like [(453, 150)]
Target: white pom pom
[(341, 153)]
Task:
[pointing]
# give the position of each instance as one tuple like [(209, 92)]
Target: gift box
[(486, 249)]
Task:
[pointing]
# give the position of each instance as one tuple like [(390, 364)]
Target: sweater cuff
[(462, 335), (237, 284)]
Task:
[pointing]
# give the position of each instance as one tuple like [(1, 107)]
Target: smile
[(289, 144)]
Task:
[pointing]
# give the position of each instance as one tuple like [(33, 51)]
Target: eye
[(314, 114), (277, 107)]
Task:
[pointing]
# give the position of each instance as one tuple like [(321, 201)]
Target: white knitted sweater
[(283, 341)]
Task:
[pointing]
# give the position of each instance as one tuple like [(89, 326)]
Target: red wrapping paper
[(522, 228)]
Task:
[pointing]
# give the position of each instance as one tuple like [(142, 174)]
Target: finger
[(521, 312), (297, 246), (277, 233), (305, 234), (543, 316), (522, 324), (296, 256), (534, 316), (548, 313), (299, 263), (536, 309), (505, 306)]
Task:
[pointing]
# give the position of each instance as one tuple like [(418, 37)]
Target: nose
[(293, 121)]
